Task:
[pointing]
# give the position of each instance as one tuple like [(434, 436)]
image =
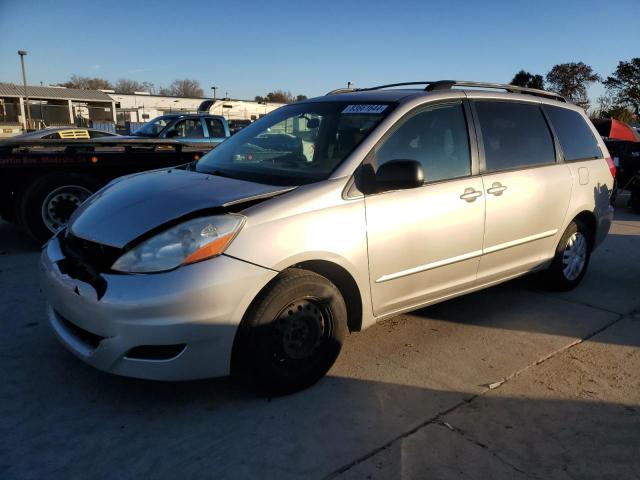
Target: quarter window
[(436, 137), (576, 138), (215, 127), (514, 135)]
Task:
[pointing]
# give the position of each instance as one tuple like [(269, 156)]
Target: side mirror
[(173, 134), (399, 174), (313, 123)]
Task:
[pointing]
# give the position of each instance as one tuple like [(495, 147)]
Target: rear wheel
[(293, 332), (572, 256), (49, 202)]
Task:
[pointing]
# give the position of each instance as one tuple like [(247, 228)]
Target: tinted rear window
[(575, 136), (514, 135)]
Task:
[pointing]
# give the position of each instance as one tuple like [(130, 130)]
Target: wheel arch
[(345, 282), (588, 218)]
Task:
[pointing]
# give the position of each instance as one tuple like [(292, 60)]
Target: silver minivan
[(322, 218)]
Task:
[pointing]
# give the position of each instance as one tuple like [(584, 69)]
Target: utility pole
[(22, 53)]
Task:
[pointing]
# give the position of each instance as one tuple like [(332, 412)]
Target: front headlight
[(189, 242)]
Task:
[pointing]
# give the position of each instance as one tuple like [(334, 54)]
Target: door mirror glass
[(173, 134), (399, 174)]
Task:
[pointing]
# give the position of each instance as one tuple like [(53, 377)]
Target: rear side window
[(576, 138), (514, 135), (215, 127)]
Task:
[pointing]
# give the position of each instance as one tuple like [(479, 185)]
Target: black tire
[(292, 333), (31, 214), (560, 276)]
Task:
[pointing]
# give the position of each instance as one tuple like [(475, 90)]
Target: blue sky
[(249, 48)]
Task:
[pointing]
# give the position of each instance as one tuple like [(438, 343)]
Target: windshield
[(296, 144), (154, 127)]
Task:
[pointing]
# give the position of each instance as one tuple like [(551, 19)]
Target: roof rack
[(449, 84)]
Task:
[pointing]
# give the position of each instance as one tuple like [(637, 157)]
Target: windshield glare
[(296, 144), (153, 128)]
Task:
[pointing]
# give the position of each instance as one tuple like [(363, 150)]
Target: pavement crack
[(437, 418), (402, 436), (484, 447)]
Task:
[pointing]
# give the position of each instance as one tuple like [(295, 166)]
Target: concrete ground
[(511, 382)]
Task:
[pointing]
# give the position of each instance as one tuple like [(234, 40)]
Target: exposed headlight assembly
[(188, 242)]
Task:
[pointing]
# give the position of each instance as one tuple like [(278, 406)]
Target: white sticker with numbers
[(365, 109)]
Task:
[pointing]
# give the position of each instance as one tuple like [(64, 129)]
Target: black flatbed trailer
[(43, 181)]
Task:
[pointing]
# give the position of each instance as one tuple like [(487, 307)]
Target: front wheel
[(292, 333), (572, 256)]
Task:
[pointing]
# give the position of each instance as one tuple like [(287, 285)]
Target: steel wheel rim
[(574, 256), (299, 329), (60, 203)]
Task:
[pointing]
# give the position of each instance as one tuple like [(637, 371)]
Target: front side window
[(188, 128), (153, 128), (436, 137), (296, 144), (215, 127), (514, 135), (575, 136)]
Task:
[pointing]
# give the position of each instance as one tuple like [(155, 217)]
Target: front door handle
[(496, 189), (470, 194)]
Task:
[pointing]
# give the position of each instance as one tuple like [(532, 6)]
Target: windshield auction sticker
[(365, 109)]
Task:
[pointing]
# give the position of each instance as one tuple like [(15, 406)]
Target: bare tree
[(529, 80), (126, 85), (571, 80), (624, 84), (87, 83), (183, 88)]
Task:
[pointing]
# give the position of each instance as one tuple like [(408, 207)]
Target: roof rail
[(449, 84), (340, 90)]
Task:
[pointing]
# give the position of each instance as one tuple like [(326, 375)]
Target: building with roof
[(47, 106), (41, 106), (143, 106)]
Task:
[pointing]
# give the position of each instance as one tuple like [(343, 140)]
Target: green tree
[(571, 80), (529, 80), (624, 84), (280, 96)]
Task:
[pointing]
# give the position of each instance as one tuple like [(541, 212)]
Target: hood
[(130, 207)]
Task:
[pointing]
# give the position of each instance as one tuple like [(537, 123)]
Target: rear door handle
[(496, 189), (470, 194)]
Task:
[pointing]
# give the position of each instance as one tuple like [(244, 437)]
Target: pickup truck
[(43, 181), (185, 128)]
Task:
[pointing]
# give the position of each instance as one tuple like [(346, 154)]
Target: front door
[(527, 191), (425, 243), (188, 130)]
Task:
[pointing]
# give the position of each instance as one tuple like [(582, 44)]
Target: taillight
[(612, 166)]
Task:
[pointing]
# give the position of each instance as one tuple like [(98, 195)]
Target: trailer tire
[(48, 202)]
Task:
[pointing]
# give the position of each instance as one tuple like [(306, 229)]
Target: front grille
[(86, 260), (99, 256), (84, 336)]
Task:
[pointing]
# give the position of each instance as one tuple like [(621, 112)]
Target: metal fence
[(9, 112)]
